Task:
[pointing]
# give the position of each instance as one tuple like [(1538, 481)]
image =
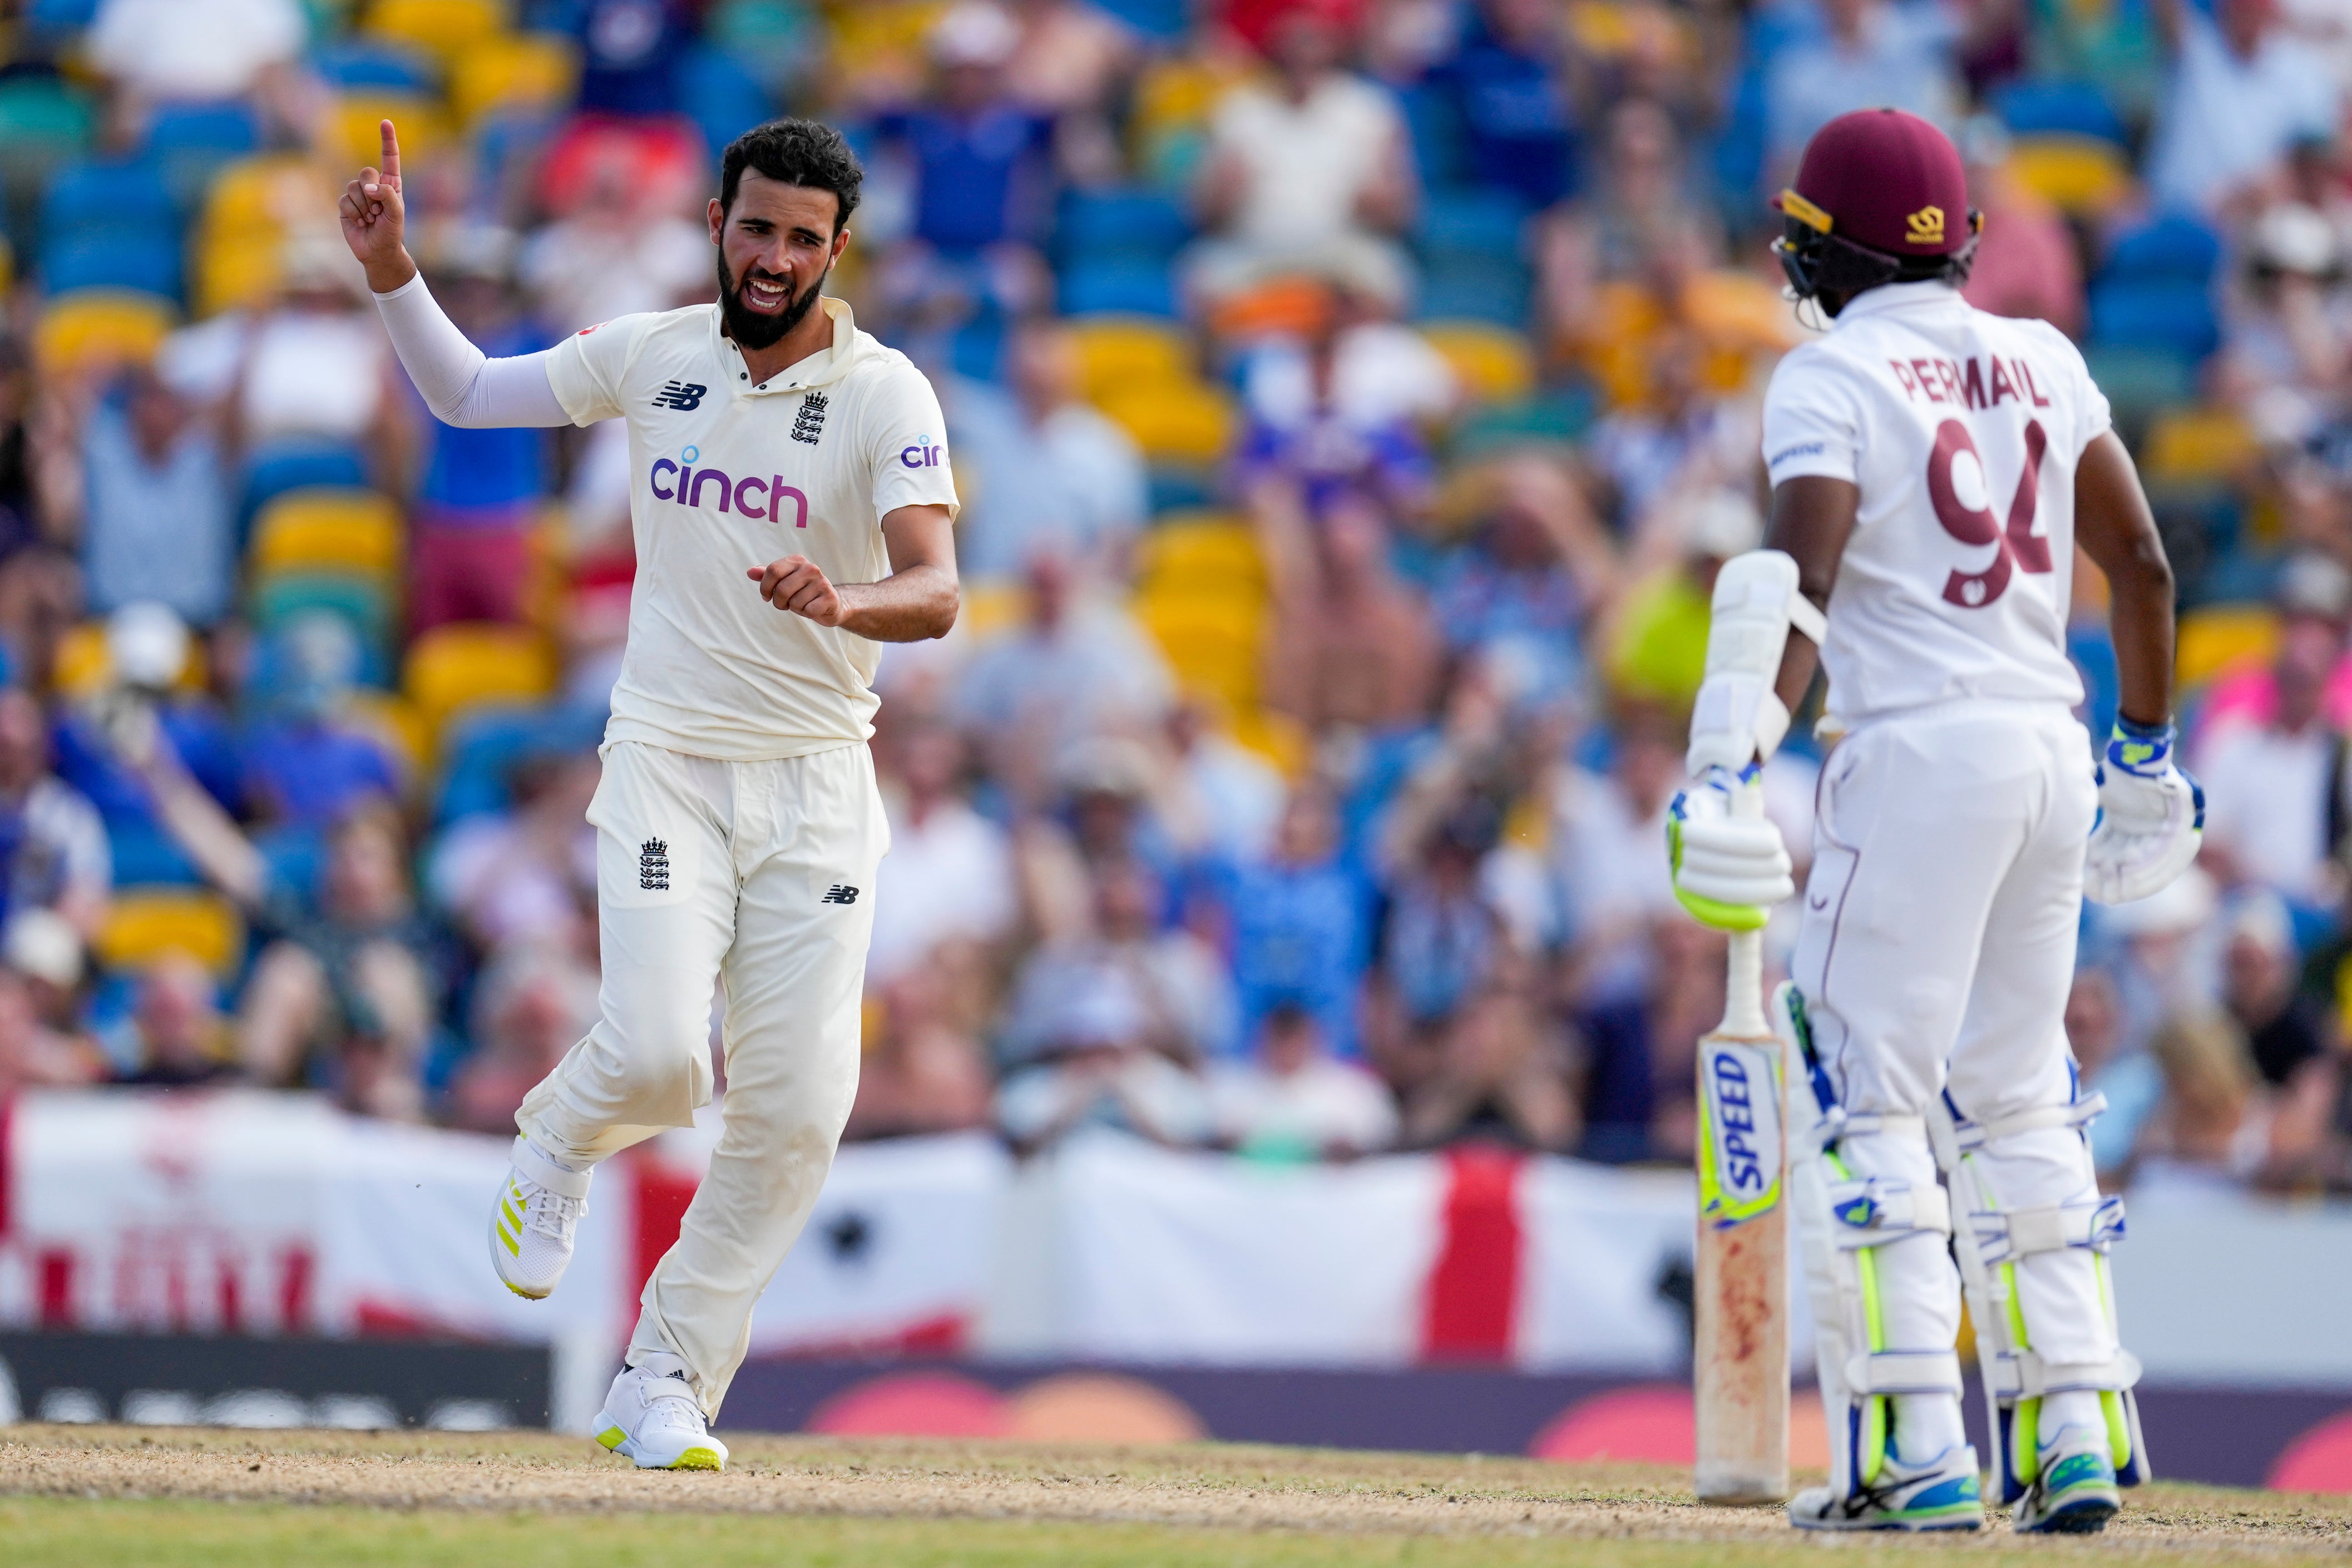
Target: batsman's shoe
[(539, 1208), (652, 1418), (2075, 1489), (1941, 1494)]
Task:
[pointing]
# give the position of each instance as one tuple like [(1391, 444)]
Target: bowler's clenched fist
[(795, 583)]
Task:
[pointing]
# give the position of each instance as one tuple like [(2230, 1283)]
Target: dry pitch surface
[(100, 1495)]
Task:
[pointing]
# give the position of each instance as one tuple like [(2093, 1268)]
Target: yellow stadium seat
[(517, 71), (324, 530), (397, 720), (238, 274), (1211, 641), (1115, 352), (1178, 422), (1202, 552), (468, 664), (97, 327), (144, 924), (1495, 364), (358, 125), (2082, 176), (1276, 737), (2222, 637), (447, 28), (2187, 447), (991, 607), (84, 664), (265, 193)]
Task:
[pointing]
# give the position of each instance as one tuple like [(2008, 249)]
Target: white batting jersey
[(726, 475), (1962, 431)]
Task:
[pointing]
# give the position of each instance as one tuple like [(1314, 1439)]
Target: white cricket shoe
[(1943, 1493), (539, 1208), (2073, 1490), (652, 1418)]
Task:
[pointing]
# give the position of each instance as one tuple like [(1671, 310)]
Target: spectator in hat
[(1518, 594), (2287, 351), (1296, 923), (307, 761), (2242, 92), (1349, 648), (2284, 1028), (2131, 1083), (1684, 438), (949, 877), (1312, 169), (2276, 788), (470, 557), (42, 1042), (925, 1074), (1292, 1100), (1181, 988), (316, 365), (1506, 81), (533, 1003)]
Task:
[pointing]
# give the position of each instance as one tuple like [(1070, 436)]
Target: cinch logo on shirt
[(922, 454), (750, 496)]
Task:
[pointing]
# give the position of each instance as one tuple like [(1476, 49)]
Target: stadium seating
[(455, 668), (2082, 176), (1495, 363), (2058, 108), (2198, 445), (142, 260), (379, 63), (352, 531), (1176, 422), (1201, 553), (358, 119), (519, 71), (2220, 637), (191, 141), (278, 466), (96, 328), (144, 924), (445, 29), (1135, 285), (1117, 352)]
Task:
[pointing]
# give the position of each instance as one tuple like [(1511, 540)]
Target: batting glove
[(1729, 870), (2151, 817)]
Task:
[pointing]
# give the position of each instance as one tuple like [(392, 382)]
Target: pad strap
[(1903, 1372), (1974, 1136), (2025, 1375), (1837, 1123), (2016, 1233), (1876, 1210)]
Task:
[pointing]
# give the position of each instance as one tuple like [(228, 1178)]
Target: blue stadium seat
[(2154, 313), (977, 349), (1440, 144), (723, 99), (61, 15), (484, 748), (1167, 19), (1471, 223), (1124, 221), (2174, 245), (1474, 287), (1139, 285), (106, 194), (376, 64), (146, 258), (2051, 108), (282, 465)]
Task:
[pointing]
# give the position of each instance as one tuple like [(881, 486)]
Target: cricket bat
[(1739, 1359)]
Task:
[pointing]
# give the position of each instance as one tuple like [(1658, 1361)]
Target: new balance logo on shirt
[(809, 423), (841, 894), (653, 866), (682, 396)]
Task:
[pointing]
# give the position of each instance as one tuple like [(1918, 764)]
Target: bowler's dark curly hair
[(798, 153)]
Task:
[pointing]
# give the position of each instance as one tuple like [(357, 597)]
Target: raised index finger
[(391, 155)]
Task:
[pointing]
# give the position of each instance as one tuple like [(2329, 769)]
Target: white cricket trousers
[(759, 875), (1936, 952)]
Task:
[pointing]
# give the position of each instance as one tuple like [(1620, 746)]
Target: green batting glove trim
[(1721, 915)]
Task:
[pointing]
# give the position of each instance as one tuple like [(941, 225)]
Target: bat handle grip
[(1743, 992)]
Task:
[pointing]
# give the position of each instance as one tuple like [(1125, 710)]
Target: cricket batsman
[(793, 508), (1934, 468)]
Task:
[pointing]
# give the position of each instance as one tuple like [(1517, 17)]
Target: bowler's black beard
[(749, 327)]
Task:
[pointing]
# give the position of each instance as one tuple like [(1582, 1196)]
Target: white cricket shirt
[(726, 475), (1962, 431)]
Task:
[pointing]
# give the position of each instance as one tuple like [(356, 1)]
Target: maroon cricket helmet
[(1880, 198)]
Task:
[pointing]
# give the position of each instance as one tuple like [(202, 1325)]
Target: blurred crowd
[(1352, 402)]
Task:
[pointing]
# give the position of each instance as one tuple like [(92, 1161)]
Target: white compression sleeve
[(459, 383)]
